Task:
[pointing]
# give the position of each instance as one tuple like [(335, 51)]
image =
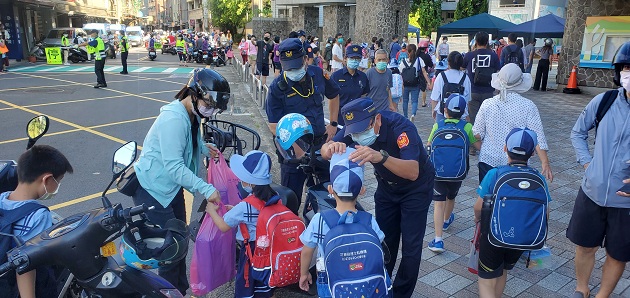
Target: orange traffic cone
[(572, 87)]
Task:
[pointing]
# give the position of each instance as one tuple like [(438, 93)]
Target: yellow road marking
[(83, 100), (75, 130), (83, 128), (108, 89), (80, 200), (188, 199), (64, 85)]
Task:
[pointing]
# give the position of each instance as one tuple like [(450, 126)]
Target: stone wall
[(378, 18), (577, 11), (336, 20), (305, 18), (277, 26)]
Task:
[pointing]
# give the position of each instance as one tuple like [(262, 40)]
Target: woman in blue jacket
[(171, 156)]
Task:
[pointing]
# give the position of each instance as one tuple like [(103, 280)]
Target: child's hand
[(228, 207), (305, 281), (212, 207)]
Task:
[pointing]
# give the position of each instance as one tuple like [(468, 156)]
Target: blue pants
[(175, 273), (401, 209), (413, 92), (293, 178)]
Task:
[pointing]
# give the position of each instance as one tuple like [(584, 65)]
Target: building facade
[(520, 11)]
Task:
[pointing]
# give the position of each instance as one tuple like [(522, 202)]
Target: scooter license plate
[(205, 56), (109, 249)]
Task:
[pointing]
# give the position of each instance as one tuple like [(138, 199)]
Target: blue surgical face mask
[(295, 75), (247, 188), (381, 66), (365, 138), (353, 64), (340, 40)]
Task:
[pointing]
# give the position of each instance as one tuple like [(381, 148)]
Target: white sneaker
[(66, 64), (412, 117)]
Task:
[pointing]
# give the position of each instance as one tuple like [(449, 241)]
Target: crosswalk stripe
[(141, 69), (112, 68), (82, 68), (25, 68), (52, 68), (169, 70)]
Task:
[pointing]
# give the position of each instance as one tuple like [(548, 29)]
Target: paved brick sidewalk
[(446, 275)]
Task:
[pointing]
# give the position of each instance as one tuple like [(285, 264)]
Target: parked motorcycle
[(83, 243), (77, 55), (110, 50), (169, 48), (152, 54), (38, 51), (218, 56)]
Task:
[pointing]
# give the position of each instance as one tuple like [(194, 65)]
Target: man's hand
[(215, 197), (586, 165), (546, 171), (331, 131), (305, 281), (624, 194), (365, 154), (336, 147), (393, 107), (214, 152), (434, 114)]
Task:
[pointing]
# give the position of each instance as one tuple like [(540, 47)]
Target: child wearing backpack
[(453, 80), (40, 171), (268, 258), (348, 242), (449, 140), (512, 207), (397, 84)]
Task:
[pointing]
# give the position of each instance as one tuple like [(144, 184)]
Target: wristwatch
[(385, 156), (334, 123)]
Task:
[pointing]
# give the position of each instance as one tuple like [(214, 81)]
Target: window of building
[(450, 15), (511, 3)]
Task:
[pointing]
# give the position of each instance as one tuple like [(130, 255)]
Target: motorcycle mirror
[(36, 128), (123, 158)]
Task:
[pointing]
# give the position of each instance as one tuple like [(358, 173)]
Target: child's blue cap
[(521, 141), (253, 168), (456, 103), (346, 176)]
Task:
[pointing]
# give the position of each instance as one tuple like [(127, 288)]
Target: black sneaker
[(98, 86), (124, 72)]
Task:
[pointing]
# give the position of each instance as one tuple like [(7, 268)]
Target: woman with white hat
[(503, 112)]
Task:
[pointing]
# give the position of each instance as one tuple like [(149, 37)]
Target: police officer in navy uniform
[(301, 88), (405, 180), (352, 82), (307, 46)]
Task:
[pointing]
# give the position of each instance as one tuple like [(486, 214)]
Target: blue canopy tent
[(416, 30), (472, 25), (545, 26)]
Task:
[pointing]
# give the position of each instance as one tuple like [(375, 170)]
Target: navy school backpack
[(354, 257), (518, 209), (449, 151)]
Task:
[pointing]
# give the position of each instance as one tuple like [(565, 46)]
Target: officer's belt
[(390, 183)]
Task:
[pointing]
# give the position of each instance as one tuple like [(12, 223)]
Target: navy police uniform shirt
[(308, 49), (399, 137), (351, 87), (306, 98)]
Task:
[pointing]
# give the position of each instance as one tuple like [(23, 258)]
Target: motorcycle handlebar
[(128, 213), (6, 267)]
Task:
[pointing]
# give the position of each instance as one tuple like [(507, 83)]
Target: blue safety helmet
[(151, 247), (292, 129), (442, 65)]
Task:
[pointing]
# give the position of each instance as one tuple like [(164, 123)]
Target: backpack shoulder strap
[(462, 125), (463, 79), (444, 77), (405, 63), (9, 217), (331, 217), (604, 106), (255, 202), (364, 218)]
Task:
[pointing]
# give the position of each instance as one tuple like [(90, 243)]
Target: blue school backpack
[(449, 151), (518, 209), (354, 258)]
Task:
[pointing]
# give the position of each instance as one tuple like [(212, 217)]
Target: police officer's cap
[(354, 51), (291, 53), (357, 115), (301, 33)]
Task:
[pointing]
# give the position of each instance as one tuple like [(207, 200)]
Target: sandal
[(424, 105), (578, 294)]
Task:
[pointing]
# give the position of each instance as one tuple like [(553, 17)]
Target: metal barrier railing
[(255, 87)]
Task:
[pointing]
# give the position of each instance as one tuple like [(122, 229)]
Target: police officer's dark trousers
[(402, 209), (293, 177), (99, 66), (175, 273), (123, 60)]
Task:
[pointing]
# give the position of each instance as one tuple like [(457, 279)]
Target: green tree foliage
[(467, 8), (426, 15), (230, 14)]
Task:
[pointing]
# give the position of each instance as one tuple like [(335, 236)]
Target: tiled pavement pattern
[(446, 274)]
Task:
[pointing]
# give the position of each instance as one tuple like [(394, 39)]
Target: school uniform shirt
[(453, 76), (467, 128), (495, 120), (317, 229), (488, 183), (242, 213), (31, 225), (337, 50)]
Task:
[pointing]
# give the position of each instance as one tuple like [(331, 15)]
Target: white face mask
[(204, 111), (625, 80), (50, 195)]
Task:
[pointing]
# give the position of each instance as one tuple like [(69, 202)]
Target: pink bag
[(223, 179), (213, 260)]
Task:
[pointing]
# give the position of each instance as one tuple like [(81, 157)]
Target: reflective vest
[(99, 49), (90, 49), (180, 46), (125, 45), (64, 41)]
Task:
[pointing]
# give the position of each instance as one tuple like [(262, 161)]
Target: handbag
[(213, 260), (128, 183)]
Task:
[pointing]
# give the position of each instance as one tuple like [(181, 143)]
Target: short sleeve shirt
[(337, 51), (242, 213), (488, 183), (480, 58), (399, 137), (31, 225), (317, 229), (264, 49), (284, 98), (351, 87), (380, 83), (453, 76)]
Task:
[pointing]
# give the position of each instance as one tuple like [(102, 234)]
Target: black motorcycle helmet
[(211, 87), (146, 246), (622, 57)]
